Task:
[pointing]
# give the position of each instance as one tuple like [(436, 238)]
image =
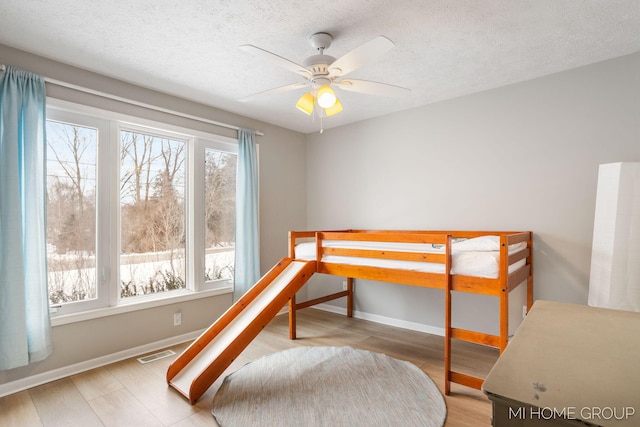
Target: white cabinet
[(615, 257)]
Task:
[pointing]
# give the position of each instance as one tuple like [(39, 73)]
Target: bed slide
[(193, 372)]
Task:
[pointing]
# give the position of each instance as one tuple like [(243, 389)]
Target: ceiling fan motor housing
[(318, 65)]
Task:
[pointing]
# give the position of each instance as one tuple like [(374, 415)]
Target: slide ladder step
[(466, 380), (475, 337)]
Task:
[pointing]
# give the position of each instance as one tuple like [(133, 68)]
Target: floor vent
[(156, 356)]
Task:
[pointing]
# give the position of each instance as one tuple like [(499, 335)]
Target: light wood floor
[(128, 393)]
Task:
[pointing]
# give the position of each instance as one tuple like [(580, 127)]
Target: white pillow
[(478, 244)]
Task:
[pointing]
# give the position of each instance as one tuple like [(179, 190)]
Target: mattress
[(477, 257)]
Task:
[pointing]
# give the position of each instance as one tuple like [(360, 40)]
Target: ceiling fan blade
[(372, 88), (360, 55), (278, 60), (286, 88)]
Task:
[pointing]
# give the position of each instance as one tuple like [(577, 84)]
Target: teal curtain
[(25, 325), (247, 263)]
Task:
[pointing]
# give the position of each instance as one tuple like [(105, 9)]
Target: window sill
[(136, 305)]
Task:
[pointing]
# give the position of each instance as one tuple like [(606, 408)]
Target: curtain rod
[(137, 103), (143, 104)]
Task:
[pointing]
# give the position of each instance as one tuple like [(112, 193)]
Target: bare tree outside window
[(71, 212), (220, 212), (152, 208)]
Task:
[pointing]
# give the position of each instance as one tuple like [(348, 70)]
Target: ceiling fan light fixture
[(334, 109), (305, 103), (326, 96)]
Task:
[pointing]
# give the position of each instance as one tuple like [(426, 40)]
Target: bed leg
[(504, 319), (292, 318), (530, 277), (447, 342), (529, 292), (349, 297)]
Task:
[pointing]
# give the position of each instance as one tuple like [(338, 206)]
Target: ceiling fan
[(322, 72)]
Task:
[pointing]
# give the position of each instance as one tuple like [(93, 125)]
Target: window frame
[(102, 201), (118, 127), (109, 124)]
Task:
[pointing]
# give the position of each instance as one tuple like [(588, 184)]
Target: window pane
[(71, 212), (152, 191), (220, 214)]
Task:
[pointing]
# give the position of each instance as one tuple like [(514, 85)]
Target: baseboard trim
[(390, 321), (66, 371)]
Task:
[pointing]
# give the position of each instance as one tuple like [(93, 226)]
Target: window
[(71, 211), (136, 210), (152, 213), (220, 212)]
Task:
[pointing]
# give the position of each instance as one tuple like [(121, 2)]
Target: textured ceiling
[(444, 49)]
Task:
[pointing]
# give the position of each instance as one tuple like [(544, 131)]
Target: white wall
[(521, 157)]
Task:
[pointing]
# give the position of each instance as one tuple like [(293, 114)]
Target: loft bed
[(480, 262)]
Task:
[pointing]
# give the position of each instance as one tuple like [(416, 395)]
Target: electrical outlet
[(177, 319), (344, 285), (524, 311)]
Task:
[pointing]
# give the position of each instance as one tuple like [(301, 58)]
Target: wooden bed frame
[(446, 281)]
